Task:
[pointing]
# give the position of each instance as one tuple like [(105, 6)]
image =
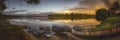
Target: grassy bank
[(112, 22), (10, 32)]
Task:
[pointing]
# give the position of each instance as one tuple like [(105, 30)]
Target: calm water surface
[(37, 22)]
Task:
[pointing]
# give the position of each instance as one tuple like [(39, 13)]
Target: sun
[(67, 11), (64, 11)]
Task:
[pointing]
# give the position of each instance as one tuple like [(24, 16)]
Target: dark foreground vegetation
[(110, 23), (11, 32), (8, 31), (109, 18)]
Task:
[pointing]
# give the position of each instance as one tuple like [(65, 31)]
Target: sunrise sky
[(59, 6)]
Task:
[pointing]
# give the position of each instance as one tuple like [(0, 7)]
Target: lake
[(43, 28), (57, 27), (36, 21)]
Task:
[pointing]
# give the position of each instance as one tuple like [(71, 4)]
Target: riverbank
[(99, 30), (11, 32), (108, 27)]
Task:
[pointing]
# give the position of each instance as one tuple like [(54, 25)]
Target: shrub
[(102, 14)]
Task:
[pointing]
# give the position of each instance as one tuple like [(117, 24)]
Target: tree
[(102, 14), (106, 2), (2, 6), (33, 1), (114, 8)]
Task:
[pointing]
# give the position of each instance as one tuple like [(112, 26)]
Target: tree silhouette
[(106, 2), (2, 6), (33, 1), (114, 7), (102, 14)]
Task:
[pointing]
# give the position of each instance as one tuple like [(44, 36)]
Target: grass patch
[(112, 22)]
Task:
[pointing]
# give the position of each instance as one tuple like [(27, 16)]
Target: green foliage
[(112, 22), (112, 19), (102, 14)]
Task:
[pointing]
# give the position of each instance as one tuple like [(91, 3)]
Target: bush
[(102, 14)]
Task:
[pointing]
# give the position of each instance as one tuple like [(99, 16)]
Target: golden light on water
[(90, 21)]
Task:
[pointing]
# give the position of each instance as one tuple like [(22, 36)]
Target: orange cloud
[(90, 6)]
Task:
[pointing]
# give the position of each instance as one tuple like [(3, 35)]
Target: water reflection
[(37, 21), (50, 27), (82, 22)]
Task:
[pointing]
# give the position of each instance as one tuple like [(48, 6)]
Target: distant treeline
[(6, 16), (71, 16)]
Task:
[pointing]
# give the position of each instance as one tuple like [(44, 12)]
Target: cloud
[(90, 6), (14, 11), (93, 3), (88, 3), (108, 3)]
